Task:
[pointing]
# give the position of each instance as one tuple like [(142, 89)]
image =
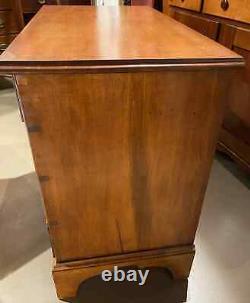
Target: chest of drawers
[(123, 129), (228, 22)]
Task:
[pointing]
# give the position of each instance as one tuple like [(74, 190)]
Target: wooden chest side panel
[(123, 158)]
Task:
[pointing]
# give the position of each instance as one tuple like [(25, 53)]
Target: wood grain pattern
[(133, 161), (111, 35), (194, 5), (203, 25), (237, 10), (69, 276)]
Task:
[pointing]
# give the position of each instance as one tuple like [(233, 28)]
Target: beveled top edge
[(116, 62), (12, 70), (85, 36)]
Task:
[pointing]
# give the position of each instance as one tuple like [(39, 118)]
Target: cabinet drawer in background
[(203, 25), (233, 9), (8, 23), (194, 5)]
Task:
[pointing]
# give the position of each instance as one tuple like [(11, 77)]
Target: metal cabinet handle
[(2, 23), (41, 1), (224, 4)]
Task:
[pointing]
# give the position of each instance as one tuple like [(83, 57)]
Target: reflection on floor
[(221, 270)]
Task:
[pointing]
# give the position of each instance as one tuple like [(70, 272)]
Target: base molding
[(69, 275)]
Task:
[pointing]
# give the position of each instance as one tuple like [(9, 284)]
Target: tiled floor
[(221, 270)]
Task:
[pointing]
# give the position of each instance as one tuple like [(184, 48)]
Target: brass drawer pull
[(224, 4), (41, 1), (3, 47), (2, 24)]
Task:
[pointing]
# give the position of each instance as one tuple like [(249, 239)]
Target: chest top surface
[(88, 35)]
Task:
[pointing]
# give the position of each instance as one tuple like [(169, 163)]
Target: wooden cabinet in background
[(235, 134), (11, 21), (205, 26), (30, 7), (8, 23)]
